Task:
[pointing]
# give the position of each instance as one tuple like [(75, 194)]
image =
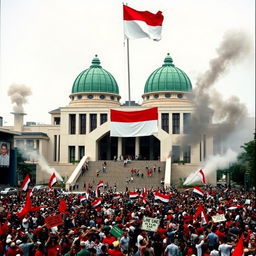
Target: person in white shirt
[(225, 248)]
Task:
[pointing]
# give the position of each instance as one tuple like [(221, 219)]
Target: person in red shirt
[(116, 251), (13, 250), (39, 250), (109, 239)]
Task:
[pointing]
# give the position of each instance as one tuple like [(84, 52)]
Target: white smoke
[(212, 164), (33, 156)]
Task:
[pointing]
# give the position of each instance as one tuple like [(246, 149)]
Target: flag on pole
[(133, 123), (100, 184), (52, 181), (82, 198), (25, 183), (198, 191), (116, 196), (141, 24), (87, 193), (133, 195), (162, 197), (201, 212), (239, 249), (203, 179)]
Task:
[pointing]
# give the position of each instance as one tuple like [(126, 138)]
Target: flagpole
[(128, 70)]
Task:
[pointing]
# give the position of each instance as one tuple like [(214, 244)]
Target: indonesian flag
[(141, 24), (52, 180), (133, 195), (82, 198), (203, 179), (195, 178), (96, 202), (235, 207), (162, 197), (25, 183), (198, 191), (239, 249), (100, 184), (97, 193), (133, 123), (201, 212), (116, 196), (87, 193)]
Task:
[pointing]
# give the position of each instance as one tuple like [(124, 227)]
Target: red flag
[(100, 184), (25, 183), (239, 249), (203, 179), (27, 207), (62, 206), (198, 191), (96, 202), (52, 180), (162, 197), (201, 212)]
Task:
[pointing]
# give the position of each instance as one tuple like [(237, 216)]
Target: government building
[(79, 133)]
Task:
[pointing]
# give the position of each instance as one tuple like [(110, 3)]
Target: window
[(175, 154), (156, 96), (165, 122), (186, 122), (72, 123), (71, 154), (81, 152), (167, 95), (180, 96), (187, 154), (79, 97), (102, 97), (175, 123), (90, 96), (103, 118), (20, 143), (147, 97), (82, 123), (93, 122), (112, 97), (57, 120), (55, 148), (30, 144)]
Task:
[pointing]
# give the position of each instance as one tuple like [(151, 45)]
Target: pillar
[(77, 124), (181, 124), (119, 147), (87, 123), (137, 146)]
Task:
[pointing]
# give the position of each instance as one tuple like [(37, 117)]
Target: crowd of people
[(87, 229)]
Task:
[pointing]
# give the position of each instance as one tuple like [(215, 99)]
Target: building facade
[(83, 127)]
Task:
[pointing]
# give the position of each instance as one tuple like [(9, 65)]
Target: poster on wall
[(4, 154)]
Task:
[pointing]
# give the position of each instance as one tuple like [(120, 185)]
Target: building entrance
[(107, 147), (149, 148), (128, 147)]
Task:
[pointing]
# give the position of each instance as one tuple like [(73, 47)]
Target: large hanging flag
[(25, 183), (52, 180), (141, 24), (133, 123)]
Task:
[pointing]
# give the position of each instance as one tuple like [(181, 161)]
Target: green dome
[(95, 79), (168, 78)]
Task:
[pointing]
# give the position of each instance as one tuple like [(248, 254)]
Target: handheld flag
[(25, 183), (239, 249), (198, 191), (162, 197), (52, 181), (201, 212)]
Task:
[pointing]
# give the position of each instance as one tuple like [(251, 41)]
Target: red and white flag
[(201, 212), (52, 181), (87, 193), (133, 123), (141, 24), (82, 198), (100, 184), (25, 183), (198, 191), (133, 195), (96, 202), (97, 194), (203, 179), (162, 197), (116, 196)]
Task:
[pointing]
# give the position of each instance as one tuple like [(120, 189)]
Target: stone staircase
[(117, 173)]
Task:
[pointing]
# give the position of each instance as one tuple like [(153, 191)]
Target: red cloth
[(53, 251), (115, 253), (239, 249), (38, 253), (109, 240)]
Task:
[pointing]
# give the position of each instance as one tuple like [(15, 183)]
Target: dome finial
[(168, 60), (96, 62)]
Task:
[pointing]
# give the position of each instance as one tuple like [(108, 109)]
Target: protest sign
[(116, 232), (218, 218), (150, 224)]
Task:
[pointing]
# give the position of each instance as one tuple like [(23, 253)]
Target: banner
[(150, 224), (218, 218), (54, 220), (116, 232)]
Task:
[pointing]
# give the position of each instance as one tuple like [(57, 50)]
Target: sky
[(45, 44)]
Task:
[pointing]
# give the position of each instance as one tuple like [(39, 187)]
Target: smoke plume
[(212, 164), (209, 104), (18, 94)]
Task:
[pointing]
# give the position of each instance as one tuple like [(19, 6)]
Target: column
[(181, 124), (77, 124), (87, 123), (137, 146), (119, 147), (98, 120), (170, 122), (76, 153)]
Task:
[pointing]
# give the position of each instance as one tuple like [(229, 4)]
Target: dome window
[(90, 96), (180, 96), (79, 97), (112, 97), (156, 96), (102, 97), (148, 97), (167, 95)]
